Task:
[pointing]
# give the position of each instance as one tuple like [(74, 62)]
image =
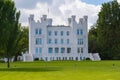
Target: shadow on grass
[(41, 69)]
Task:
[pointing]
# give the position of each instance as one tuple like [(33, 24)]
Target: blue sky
[(59, 10), (96, 2)]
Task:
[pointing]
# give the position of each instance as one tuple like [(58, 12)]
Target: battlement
[(81, 20), (71, 20)]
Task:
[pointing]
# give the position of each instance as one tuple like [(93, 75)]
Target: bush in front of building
[(87, 59), (36, 59)]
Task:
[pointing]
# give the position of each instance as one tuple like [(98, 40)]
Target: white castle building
[(58, 42)]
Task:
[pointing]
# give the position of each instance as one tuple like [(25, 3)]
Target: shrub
[(2, 61), (87, 59), (36, 59)]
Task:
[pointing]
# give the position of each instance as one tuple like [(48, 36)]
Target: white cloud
[(80, 9), (60, 10), (118, 1)]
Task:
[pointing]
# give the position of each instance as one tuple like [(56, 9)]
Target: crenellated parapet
[(43, 19), (72, 20)]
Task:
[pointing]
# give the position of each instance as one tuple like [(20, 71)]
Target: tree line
[(104, 36)]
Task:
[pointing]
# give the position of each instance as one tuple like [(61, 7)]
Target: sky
[(59, 10)]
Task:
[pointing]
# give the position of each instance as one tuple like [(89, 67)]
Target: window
[(71, 58), (53, 58), (50, 50), (79, 32), (78, 50), (59, 58), (38, 41), (62, 41), (80, 41), (56, 50), (40, 50), (61, 33), (36, 50), (55, 41), (46, 58), (76, 58), (81, 50), (67, 33), (49, 33), (80, 58), (65, 58), (68, 41), (40, 31), (68, 50), (36, 31), (49, 41), (62, 50), (55, 33)]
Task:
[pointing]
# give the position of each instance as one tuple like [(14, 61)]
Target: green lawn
[(61, 70)]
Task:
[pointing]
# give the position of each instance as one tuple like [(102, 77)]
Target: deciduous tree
[(92, 40), (109, 30), (9, 29)]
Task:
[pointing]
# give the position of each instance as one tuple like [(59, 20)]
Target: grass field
[(61, 70)]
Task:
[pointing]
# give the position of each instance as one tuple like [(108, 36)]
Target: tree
[(108, 26), (22, 42), (9, 29), (92, 40)]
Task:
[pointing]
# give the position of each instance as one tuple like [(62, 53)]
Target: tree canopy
[(9, 28), (108, 30), (92, 40)]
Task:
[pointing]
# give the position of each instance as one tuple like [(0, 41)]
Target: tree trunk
[(8, 62), (15, 59)]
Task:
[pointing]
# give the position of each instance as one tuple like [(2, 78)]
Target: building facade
[(58, 42)]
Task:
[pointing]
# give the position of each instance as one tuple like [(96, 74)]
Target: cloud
[(29, 4), (118, 1), (80, 9), (59, 10)]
